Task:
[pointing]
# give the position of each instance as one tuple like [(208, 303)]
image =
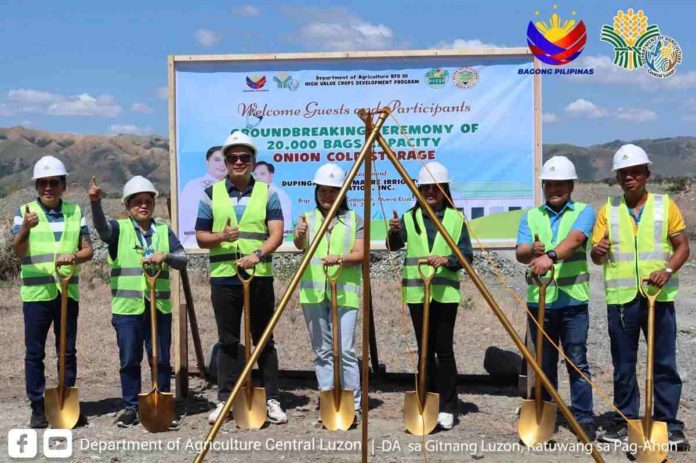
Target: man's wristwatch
[(552, 255), (669, 270), (259, 253)]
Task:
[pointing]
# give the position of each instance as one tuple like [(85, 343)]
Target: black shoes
[(617, 434), (678, 441), (128, 418), (38, 415), (590, 430)]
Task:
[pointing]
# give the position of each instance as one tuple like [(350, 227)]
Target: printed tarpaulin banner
[(473, 114)]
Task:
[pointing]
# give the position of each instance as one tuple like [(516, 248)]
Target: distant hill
[(671, 157), (114, 159)]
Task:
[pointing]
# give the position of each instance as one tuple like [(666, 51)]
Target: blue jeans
[(132, 332), (570, 326), (38, 317), (318, 318), (625, 323)]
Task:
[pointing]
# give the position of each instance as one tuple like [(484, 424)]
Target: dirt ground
[(487, 428)]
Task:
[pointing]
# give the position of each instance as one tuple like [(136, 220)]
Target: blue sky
[(101, 67)]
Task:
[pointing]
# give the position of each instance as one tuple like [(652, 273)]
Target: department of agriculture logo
[(661, 55), (436, 78), (557, 42), (256, 82), (466, 77), (286, 81), (628, 35)]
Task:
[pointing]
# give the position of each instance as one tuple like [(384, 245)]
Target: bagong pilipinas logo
[(628, 35), (558, 42), (466, 77), (661, 55), (256, 82), (437, 78)]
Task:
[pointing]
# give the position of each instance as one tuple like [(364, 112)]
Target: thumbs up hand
[(538, 248), (301, 228), (394, 225), (31, 219), (230, 233), (602, 248), (94, 191)]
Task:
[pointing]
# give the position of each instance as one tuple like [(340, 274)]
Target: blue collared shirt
[(583, 224)]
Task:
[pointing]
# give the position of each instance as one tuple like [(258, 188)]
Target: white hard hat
[(49, 166), (433, 172), (558, 168), (138, 184), (330, 175), (630, 155), (239, 138)]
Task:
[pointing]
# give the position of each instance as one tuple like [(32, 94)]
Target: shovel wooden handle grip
[(544, 282), (644, 285)]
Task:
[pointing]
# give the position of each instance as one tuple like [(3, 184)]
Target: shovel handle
[(644, 289), (251, 272), (64, 279), (333, 276), (151, 278), (426, 279), (544, 283), (425, 333)]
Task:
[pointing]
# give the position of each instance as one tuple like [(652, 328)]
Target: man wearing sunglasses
[(241, 222), (48, 231)]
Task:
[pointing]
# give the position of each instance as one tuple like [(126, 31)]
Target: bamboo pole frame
[(370, 140)]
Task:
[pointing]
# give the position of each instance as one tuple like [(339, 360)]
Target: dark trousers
[(228, 304), (38, 317), (132, 332), (569, 325), (625, 323), (441, 366)]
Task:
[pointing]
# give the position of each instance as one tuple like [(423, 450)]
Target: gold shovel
[(421, 407), (537, 421), (650, 437), (62, 404), (156, 409), (249, 408), (336, 405)]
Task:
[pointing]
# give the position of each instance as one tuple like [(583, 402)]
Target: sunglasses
[(141, 202), (244, 158), (43, 183)]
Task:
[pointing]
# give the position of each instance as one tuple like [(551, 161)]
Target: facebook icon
[(22, 443)]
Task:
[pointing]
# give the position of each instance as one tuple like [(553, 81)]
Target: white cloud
[(85, 105), (606, 72), (635, 114), (337, 29), (27, 96), (54, 104), (141, 108), (549, 117), (162, 92), (246, 10), (5, 110), (26, 123), (130, 129), (586, 109), (459, 44), (207, 38)]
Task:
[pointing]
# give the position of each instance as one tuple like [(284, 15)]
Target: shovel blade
[(250, 414), (65, 416), (156, 410), (337, 415), (421, 420), (652, 445), (532, 430)]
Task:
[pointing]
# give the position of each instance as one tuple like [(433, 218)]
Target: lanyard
[(140, 235)]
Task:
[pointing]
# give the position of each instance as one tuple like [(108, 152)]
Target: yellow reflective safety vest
[(633, 256), (39, 279), (313, 285), (445, 284), (252, 230), (570, 275), (129, 286)]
